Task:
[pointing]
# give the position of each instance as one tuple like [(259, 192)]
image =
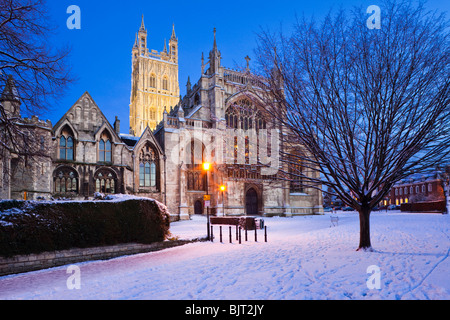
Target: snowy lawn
[(305, 258)]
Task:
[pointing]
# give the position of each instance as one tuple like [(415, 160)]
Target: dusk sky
[(101, 49)]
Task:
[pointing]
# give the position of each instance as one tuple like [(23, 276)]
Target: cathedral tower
[(154, 81)]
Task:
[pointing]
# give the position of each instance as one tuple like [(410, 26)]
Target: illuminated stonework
[(154, 82)]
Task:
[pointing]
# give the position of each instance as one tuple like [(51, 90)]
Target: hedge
[(34, 227), (434, 206)]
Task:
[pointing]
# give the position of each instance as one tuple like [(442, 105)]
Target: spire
[(135, 42), (142, 24), (173, 37), (203, 64), (215, 44), (165, 46), (188, 85)]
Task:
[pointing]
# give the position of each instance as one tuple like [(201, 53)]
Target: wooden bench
[(248, 223)]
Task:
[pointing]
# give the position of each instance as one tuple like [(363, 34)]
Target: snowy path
[(304, 259)]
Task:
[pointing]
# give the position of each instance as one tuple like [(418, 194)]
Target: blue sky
[(101, 49)]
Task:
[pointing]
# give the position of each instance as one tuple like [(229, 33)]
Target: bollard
[(230, 235), (237, 232), (212, 235), (265, 233), (256, 234), (220, 229), (246, 238), (239, 235)]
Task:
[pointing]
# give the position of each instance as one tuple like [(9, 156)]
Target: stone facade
[(217, 121), (195, 131), (154, 85)]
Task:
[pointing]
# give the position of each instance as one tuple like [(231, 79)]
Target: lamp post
[(206, 167), (223, 188)]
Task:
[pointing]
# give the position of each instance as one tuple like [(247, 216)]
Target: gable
[(85, 117), (148, 136)]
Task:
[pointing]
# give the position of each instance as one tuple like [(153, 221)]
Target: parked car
[(348, 209), (393, 207)]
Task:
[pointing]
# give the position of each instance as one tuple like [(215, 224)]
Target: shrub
[(32, 227)]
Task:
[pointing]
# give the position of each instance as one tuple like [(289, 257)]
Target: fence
[(238, 233)]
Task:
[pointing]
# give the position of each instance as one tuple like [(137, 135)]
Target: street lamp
[(207, 167), (223, 188)]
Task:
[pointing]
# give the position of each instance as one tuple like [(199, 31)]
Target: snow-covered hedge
[(32, 227)]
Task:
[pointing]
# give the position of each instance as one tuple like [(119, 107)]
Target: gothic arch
[(149, 169), (66, 180), (105, 180), (253, 199)]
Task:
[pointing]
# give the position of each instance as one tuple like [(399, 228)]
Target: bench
[(334, 220), (248, 223)]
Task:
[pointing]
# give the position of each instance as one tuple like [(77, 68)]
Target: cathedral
[(209, 150)]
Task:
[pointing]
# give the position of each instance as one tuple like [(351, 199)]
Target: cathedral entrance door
[(251, 202), (198, 207)]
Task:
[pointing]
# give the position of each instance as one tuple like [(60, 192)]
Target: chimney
[(117, 125)]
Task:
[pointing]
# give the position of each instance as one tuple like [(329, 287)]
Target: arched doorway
[(251, 202), (198, 207)]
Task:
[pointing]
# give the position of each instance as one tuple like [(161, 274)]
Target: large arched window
[(297, 174), (66, 144), (65, 180), (195, 175), (105, 181), (148, 167), (244, 115), (105, 148)]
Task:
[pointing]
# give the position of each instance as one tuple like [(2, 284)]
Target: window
[(430, 187), (423, 188), (417, 189), (148, 167), (66, 148), (105, 181), (296, 175), (65, 180), (105, 148), (195, 175), (153, 81), (196, 180), (165, 84)]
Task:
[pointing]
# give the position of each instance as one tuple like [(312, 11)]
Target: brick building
[(417, 188)]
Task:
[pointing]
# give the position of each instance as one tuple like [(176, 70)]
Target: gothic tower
[(154, 81)]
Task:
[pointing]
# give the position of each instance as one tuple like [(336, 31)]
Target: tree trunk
[(364, 229)]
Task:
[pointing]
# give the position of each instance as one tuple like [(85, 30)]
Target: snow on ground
[(304, 258)]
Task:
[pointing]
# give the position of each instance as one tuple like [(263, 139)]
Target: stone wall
[(32, 262)]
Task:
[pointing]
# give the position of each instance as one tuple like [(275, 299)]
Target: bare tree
[(32, 72), (368, 107)]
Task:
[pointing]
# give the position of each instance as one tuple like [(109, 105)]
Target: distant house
[(417, 188)]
